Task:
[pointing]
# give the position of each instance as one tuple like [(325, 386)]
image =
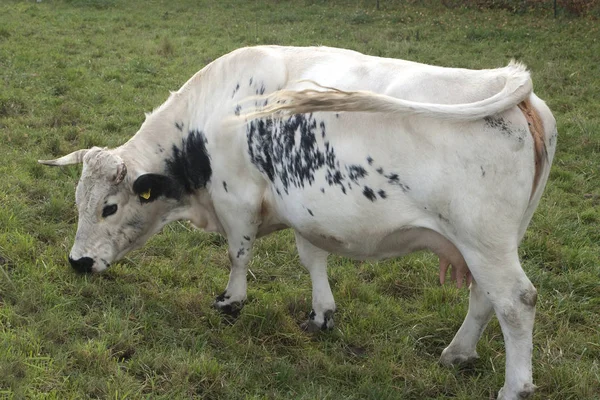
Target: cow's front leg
[(233, 298), (237, 206), (315, 261)]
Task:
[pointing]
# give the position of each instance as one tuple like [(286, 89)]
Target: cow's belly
[(381, 246), (375, 232), (372, 247)]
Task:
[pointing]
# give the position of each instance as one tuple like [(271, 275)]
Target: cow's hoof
[(316, 324), (227, 307), (231, 309), (449, 359), (525, 393)]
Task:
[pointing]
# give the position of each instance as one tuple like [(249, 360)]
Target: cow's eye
[(109, 210)]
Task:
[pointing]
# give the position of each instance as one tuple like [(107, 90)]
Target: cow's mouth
[(82, 265), (87, 265)]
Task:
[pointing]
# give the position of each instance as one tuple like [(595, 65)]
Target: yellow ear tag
[(145, 195)]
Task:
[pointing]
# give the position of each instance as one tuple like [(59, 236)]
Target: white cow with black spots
[(361, 156)]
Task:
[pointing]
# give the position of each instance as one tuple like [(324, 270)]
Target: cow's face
[(118, 211)]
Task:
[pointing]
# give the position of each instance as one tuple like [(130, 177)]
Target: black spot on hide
[(290, 152), (356, 172), (225, 186), (259, 137), (501, 125), (394, 179), (289, 149), (369, 194), (190, 165), (179, 126)]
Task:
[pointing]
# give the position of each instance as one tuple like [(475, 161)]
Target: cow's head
[(118, 209)]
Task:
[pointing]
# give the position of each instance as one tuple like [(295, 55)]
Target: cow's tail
[(517, 87)]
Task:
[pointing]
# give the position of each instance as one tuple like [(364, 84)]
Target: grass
[(81, 72)]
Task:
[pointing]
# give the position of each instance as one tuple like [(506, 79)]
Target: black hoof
[(231, 309), (313, 326), (221, 298), (309, 326)]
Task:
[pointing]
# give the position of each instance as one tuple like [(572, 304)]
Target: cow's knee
[(520, 311), (528, 296)]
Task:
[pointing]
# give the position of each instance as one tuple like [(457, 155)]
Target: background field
[(82, 72)]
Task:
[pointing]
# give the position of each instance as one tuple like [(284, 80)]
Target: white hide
[(443, 160)]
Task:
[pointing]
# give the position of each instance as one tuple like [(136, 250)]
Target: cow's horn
[(121, 173), (75, 157)]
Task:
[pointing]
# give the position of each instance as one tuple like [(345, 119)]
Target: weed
[(11, 107), (166, 48)]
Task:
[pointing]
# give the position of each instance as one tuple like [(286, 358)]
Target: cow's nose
[(83, 265)]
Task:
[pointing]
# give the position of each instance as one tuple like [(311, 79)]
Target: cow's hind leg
[(315, 261), (462, 349), (501, 279)]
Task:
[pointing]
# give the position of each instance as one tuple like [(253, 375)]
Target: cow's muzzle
[(83, 265)]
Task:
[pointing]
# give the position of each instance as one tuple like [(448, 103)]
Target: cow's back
[(350, 70)]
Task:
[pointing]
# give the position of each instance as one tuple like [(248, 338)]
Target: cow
[(362, 156)]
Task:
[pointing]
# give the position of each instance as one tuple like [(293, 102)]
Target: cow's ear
[(150, 187)]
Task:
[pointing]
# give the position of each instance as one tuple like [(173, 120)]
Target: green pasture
[(80, 73)]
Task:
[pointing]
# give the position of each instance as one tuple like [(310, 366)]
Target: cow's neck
[(167, 128), (173, 141), (195, 110)]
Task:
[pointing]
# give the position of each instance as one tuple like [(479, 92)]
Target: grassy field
[(82, 72)]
